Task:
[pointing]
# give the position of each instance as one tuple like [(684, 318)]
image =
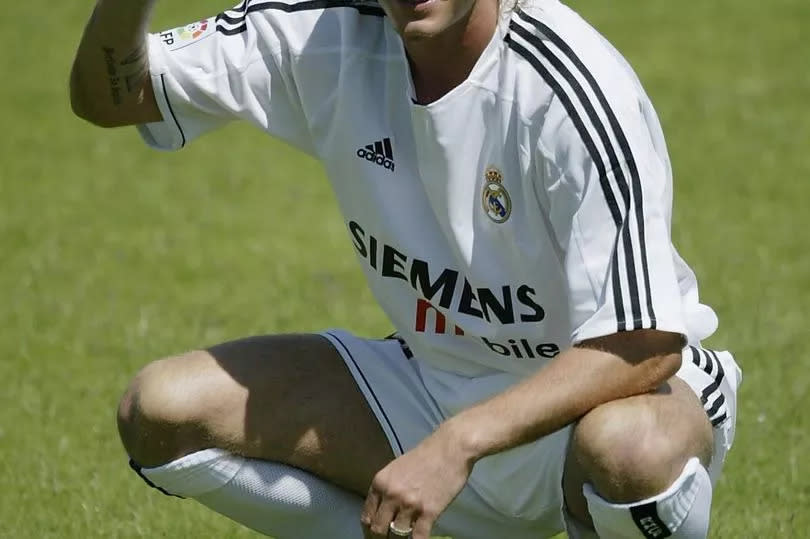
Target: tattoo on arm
[(112, 75), (127, 75), (136, 70)]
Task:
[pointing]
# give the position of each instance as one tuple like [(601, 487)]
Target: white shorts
[(517, 493)]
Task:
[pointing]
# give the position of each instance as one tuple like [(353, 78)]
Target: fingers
[(402, 526), (385, 513), (369, 511), (423, 526)]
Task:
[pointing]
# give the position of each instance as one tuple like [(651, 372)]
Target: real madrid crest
[(495, 197)]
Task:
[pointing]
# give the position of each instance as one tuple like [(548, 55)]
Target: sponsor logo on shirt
[(494, 197), (451, 291), (522, 348), (510, 304)]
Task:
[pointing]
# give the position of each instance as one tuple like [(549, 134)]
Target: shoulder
[(301, 26), (582, 102), (562, 65)]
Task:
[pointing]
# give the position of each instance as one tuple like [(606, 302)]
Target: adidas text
[(380, 152), (376, 158)]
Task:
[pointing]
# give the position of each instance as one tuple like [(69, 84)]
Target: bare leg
[(288, 399), (634, 448)]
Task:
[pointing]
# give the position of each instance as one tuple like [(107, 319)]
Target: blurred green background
[(112, 254)]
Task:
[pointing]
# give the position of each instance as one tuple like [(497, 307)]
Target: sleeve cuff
[(609, 327), (168, 134)]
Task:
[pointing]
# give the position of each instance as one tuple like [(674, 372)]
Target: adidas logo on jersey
[(379, 152)]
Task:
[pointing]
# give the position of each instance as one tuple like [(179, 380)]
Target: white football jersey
[(526, 210)]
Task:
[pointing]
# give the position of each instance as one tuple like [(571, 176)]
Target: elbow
[(80, 108), (650, 357), (656, 371), (87, 112), (96, 119), (82, 104), (78, 99)]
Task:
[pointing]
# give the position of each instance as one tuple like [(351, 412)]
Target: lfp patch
[(188, 34), (193, 30)]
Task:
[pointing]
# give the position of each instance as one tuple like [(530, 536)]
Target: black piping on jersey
[(239, 24), (711, 393), (406, 350), (600, 165), (370, 391), (623, 223), (623, 143), (171, 110)]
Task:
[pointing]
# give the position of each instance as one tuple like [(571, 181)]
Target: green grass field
[(112, 254)]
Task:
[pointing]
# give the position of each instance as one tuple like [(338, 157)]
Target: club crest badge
[(495, 198)]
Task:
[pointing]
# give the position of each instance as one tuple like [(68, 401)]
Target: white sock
[(272, 498), (681, 512)]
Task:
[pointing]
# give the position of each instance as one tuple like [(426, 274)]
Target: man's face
[(420, 19)]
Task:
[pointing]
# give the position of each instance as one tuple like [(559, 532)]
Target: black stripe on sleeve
[(709, 367), (232, 31), (239, 10), (366, 8), (627, 155), (695, 356), (599, 163), (171, 110), (716, 359), (715, 407), (613, 165), (711, 388), (230, 20), (712, 392), (363, 7), (721, 373)]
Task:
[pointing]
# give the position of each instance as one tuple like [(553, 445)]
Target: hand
[(413, 490)]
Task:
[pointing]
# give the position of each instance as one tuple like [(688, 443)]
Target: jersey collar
[(482, 71)]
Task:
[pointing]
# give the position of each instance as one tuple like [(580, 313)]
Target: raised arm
[(109, 83)]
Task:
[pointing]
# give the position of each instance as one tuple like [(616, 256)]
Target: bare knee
[(636, 448), (161, 414)]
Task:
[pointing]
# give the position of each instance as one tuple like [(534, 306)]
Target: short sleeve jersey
[(525, 211)]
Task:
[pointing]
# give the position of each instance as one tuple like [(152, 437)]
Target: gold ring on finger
[(399, 532)]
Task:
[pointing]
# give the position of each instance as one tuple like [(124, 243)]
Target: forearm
[(571, 385), (109, 82)]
